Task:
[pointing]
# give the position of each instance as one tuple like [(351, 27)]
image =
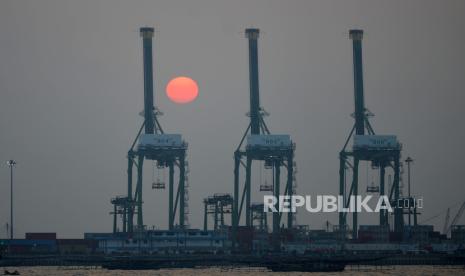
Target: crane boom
[(456, 218), (459, 214)]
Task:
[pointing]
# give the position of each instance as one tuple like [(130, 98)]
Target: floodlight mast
[(11, 163)]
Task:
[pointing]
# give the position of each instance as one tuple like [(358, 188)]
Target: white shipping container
[(375, 141), (160, 140), (270, 141)]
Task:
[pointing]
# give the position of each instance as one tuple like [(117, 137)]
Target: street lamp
[(408, 161), (11, 163)]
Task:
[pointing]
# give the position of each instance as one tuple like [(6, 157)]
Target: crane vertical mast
[(147, 34), (252, 35), (356, 36)]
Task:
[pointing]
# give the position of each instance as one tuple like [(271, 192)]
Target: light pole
[(408, 161), (11, 163)]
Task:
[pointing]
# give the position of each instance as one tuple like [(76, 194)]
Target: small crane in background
[(447, 227)]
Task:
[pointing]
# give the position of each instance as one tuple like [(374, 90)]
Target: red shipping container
[(41, 236)]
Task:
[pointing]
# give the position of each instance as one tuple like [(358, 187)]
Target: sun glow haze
[(182, 90)]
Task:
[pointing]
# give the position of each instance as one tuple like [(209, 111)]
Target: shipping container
[(373, 233), (41, 236), (76, 246), (23, 246), (458, 233)]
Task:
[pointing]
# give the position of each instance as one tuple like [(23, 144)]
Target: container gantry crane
[(217, 205), (381, 150), (275, 150), (167, 150), (258, 215)]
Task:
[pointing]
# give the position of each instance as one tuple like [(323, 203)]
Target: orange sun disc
[(182, 90)]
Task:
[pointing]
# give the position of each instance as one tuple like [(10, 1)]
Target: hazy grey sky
[(71, 87)]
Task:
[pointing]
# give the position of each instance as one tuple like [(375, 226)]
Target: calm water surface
[(391, 270)]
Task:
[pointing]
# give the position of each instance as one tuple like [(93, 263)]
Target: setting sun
[(182, 90)]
